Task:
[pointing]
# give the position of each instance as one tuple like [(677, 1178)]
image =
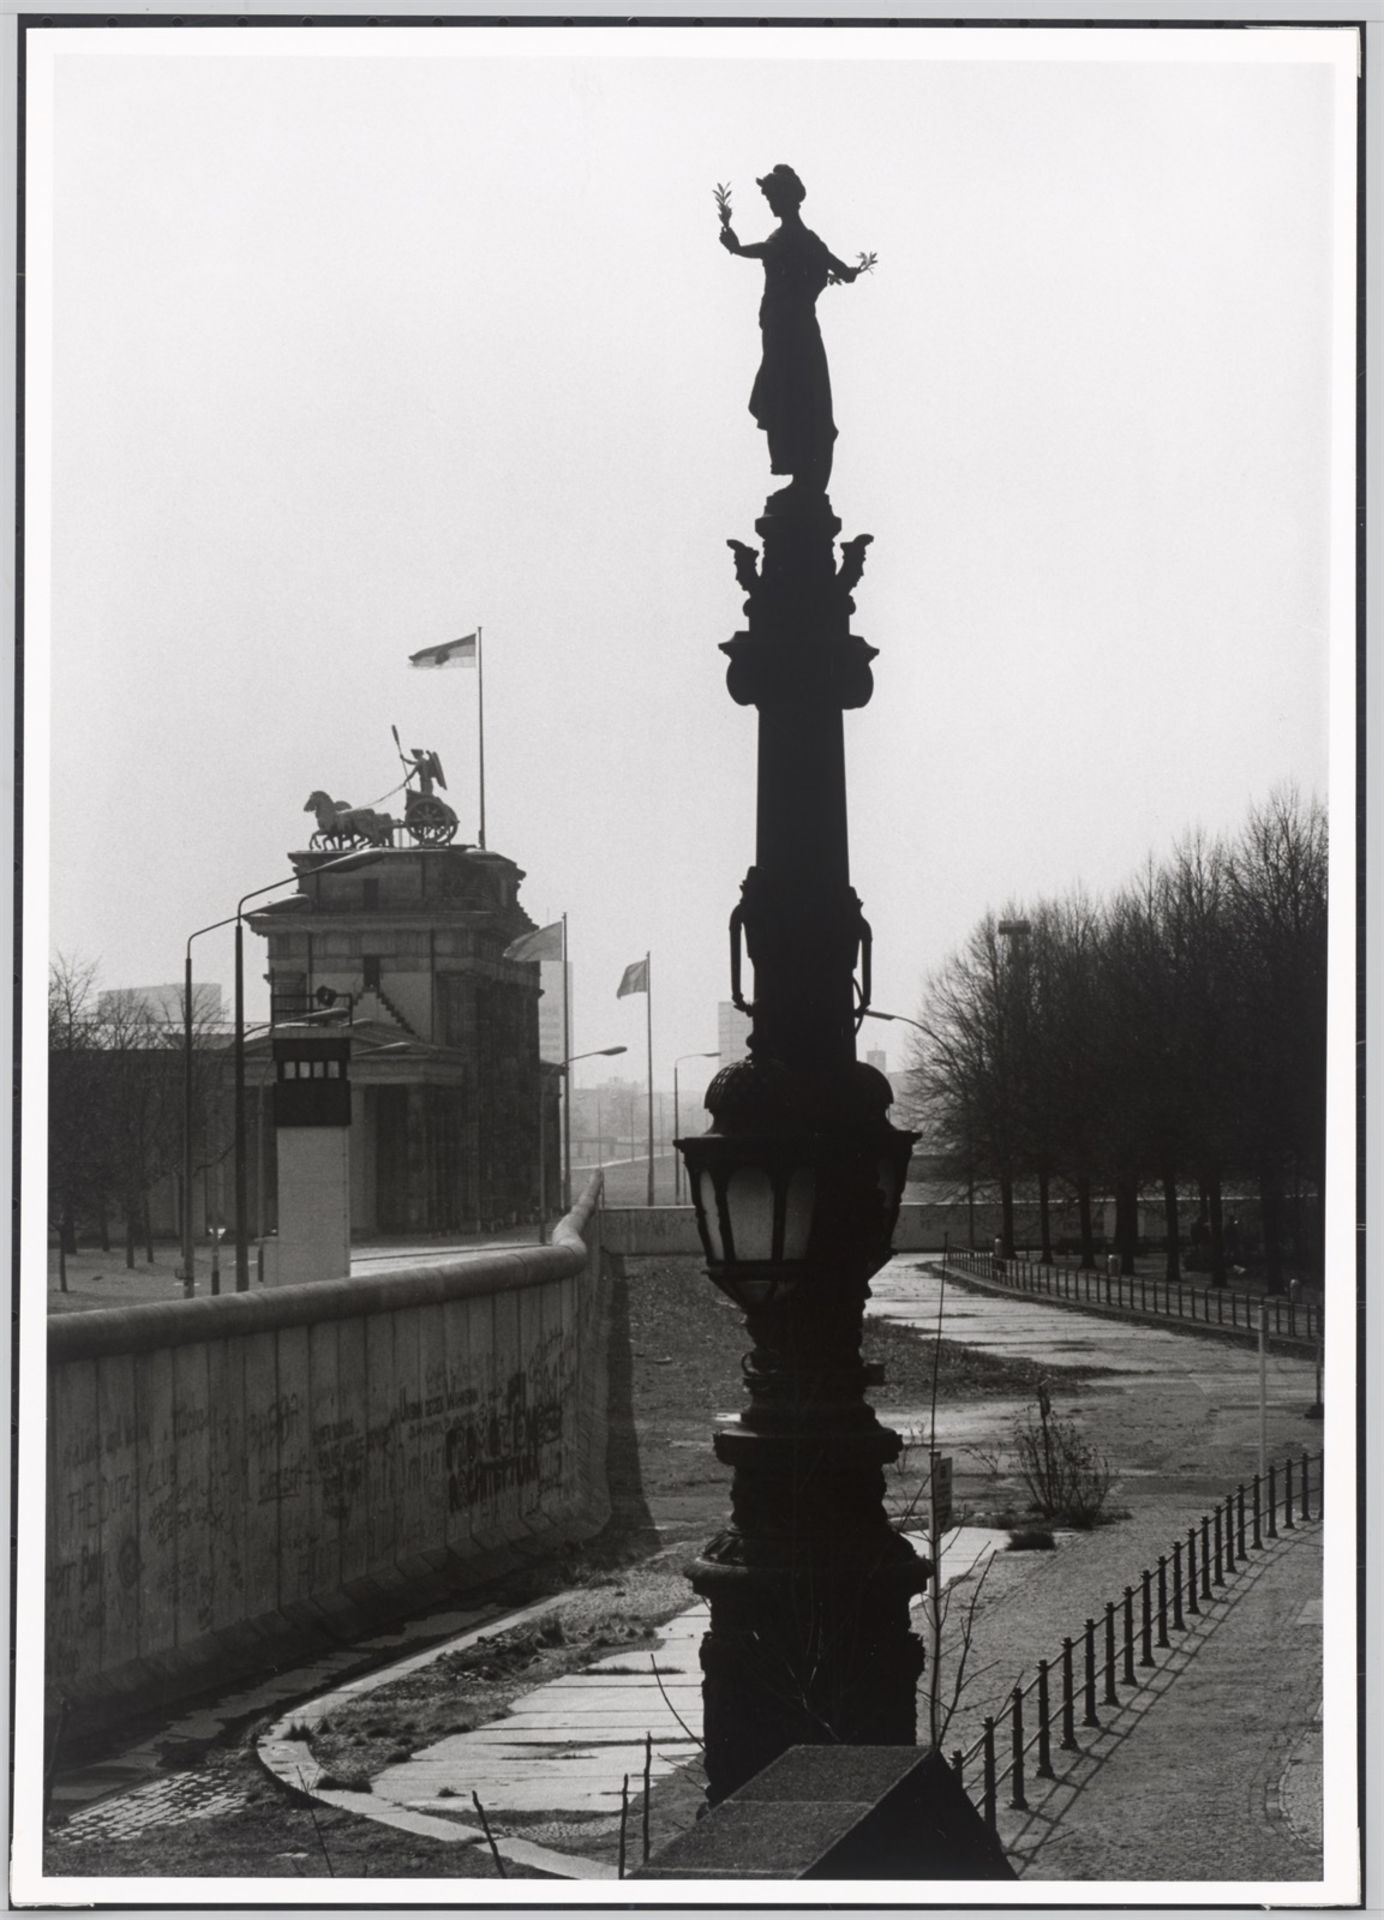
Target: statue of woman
[(791, 399)]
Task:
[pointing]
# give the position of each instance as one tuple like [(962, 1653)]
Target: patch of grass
[(1031, 1540), (906, 1354), (347, 1780), (1027, 1519), (473, 1685)]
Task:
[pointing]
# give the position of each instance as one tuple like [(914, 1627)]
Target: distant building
[(732, 1032), (876, 1058), (164, 1005), (446, 1080)]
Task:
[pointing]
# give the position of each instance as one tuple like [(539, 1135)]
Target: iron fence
[(1165, 1601), (1206, 1306)]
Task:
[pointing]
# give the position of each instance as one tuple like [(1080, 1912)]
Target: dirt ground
[(687, 1342)]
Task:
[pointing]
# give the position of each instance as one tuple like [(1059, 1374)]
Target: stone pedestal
[(853, 1813)]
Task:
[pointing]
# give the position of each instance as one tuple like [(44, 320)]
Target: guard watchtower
[(312, 1119)]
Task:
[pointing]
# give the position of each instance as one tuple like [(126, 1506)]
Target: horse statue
[(339, 824)]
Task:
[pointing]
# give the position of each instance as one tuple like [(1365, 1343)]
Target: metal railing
[(1202, 1306), (1111, 1654)]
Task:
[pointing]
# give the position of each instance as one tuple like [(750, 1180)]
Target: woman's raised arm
[(755, 250)]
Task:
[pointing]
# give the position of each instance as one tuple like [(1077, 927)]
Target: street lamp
[(677, 1119), (874, 1013), (596, 1053), (356, 857)]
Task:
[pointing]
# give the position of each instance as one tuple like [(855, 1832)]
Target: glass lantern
[(773, 1209)]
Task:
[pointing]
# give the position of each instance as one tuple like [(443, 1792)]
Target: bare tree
[(77, 1164), (1176, 1034), (967, 1067), (140, 1060), (116, 1105), (1071, 934), (1277, 888)]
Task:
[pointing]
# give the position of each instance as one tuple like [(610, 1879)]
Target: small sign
[(941, 1492)]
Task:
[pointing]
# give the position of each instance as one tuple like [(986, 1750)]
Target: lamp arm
[(738, 1000), (867, 941)]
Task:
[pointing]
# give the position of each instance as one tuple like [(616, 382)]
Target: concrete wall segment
[(158, 1538), (159, 1325), (349, 1481), (304, 1460), (192, 1516), (119, 1502), (260, 1547)]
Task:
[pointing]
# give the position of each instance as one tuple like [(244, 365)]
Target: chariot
[(428, 820)]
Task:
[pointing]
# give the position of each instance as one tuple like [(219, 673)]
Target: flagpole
[(566, 1081), (649, 1016), (480, 717), (542, 1160)]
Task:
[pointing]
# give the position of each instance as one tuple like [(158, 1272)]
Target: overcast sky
[(362, 339)]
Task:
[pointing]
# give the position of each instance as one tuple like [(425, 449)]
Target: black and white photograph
[(687, 934)]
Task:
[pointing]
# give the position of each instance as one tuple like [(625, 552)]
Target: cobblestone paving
[(162, 1803)]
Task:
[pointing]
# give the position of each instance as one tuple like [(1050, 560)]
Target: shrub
[(1065, 1477)]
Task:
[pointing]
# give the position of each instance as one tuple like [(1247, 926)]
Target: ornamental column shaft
[(797, 1182)]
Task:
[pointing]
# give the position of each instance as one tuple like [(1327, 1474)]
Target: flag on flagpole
[(544, 943), (451, 653), (635, 979)]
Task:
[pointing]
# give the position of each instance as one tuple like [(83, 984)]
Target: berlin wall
[(227, 1475)]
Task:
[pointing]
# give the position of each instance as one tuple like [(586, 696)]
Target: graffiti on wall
[(195, 1490)]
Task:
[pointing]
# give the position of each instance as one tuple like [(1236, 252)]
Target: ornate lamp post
[(797, 1183)]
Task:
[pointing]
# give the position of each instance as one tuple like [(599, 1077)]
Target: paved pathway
[(1177, 1412), (562, 1749)]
